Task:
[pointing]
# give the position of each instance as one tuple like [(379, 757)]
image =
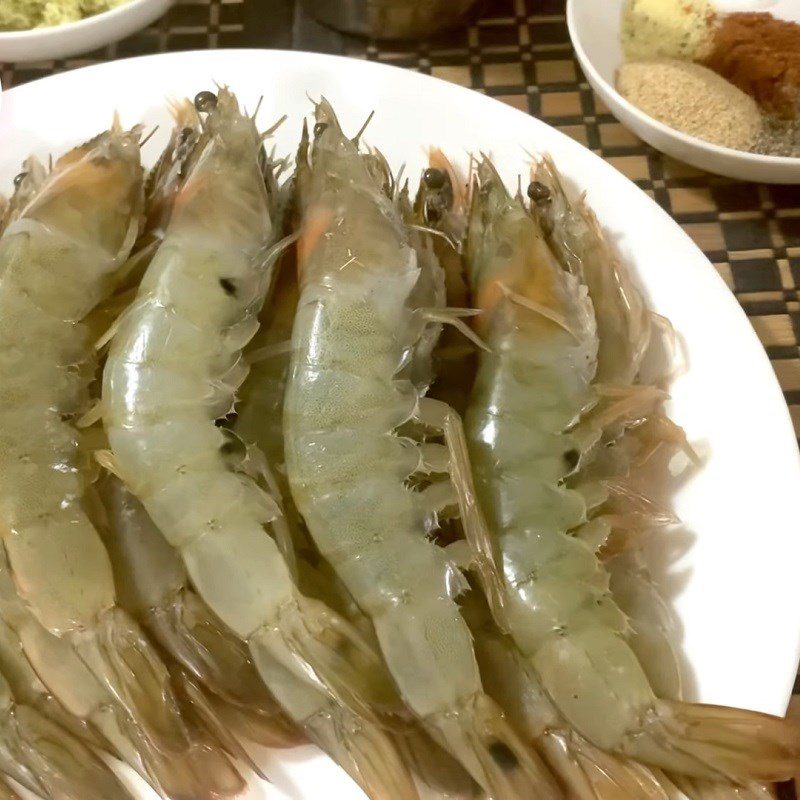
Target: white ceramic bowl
[(61, 41), (594, 28)]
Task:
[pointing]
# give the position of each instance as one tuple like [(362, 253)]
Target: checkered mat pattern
[(518, 51)]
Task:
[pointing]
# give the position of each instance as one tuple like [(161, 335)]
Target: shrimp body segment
[(173, 370), (353, 382), (532, 396)]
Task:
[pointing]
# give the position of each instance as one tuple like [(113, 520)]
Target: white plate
[(739, 599), (62, 41), (594, 28)]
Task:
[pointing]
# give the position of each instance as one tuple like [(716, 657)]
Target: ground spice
[(779, 137), (761, 55), (667, 29), (692, 99)]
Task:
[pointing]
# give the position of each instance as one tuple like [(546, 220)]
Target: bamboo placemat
[(518, 51)]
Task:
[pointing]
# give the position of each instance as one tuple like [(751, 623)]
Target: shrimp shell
[(60, 258)]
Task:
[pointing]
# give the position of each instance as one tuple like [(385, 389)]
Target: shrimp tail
[(480, 737), (434, 766), (362, 748), (707, 790), (311, 638), (182, 764), (59, 766), (716, 743), (592, 774), (210, 719), (357, 741), (234, 694)]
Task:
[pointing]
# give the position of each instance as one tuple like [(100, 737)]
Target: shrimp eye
[(19, 178), (205, 101), (319, 128), (433, 178), (538, 192)]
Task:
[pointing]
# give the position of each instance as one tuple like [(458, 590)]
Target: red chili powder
[(761, 55)]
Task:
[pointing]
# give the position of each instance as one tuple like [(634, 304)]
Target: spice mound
[(761, 55), (692, 99), (667, 29)]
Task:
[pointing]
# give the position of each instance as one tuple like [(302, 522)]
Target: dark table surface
[(519, 52)]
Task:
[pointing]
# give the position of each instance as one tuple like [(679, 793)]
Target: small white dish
[(594, 29), (72, 38)]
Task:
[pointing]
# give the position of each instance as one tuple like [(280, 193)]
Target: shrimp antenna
[(267, 133), (396, 189), (149, 136), (364, 126), (258, 106), (314, 102)]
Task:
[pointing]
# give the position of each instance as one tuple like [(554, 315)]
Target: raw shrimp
[(48, 759), (588, 773), (59, 258), (638, 446), (259, 421), (351, 387), (173, 369), (524, 427), (154, 588)]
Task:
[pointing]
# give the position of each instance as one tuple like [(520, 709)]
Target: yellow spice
[(20, 15), (692, 99), (666, 28)]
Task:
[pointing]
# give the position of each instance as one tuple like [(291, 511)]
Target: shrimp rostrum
[(61, 255), (173, 369), (525, 426), (365, 308)]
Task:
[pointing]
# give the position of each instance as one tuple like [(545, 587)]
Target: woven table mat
[(518, 51)]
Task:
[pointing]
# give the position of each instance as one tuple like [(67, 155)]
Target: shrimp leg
[(173, 369), (60, 258)]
